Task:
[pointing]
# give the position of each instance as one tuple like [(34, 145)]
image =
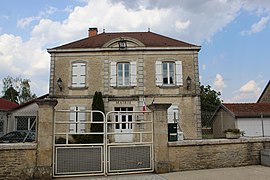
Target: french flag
[(144, 106)]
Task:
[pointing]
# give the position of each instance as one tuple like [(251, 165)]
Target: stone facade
[(18, 161), (205, 154), (98, 78)]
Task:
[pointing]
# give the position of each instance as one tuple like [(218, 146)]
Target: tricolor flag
[(144, 106)]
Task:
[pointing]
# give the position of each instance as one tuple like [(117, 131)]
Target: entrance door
[(123, 128)]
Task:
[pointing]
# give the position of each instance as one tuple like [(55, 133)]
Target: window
[(78, 74), (25, 123), (169, 73), (123, 74), (123, 118), (77, 115)]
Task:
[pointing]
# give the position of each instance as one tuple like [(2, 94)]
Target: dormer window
[(122, 44)]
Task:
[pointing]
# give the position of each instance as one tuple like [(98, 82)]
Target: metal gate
[(89, 142)]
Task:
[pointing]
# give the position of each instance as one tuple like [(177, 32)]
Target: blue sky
[(234, 35)]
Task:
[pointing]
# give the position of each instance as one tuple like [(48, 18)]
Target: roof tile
[(248, 109), (149, 39), (7, 105)]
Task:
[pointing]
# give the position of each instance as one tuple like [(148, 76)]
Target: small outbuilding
[(252, 118)]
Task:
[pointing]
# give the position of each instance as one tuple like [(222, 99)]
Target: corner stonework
[(45, 138), (160, 137)]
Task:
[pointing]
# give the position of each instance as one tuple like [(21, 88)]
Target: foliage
[(209, 102), (17, 90), (83, 138), (97, 104), (234, 131), (11, 94)]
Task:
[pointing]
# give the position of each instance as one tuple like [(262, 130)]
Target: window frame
[(168, 71), (28, 119), (125, 73), (177, 73), (127, 77)]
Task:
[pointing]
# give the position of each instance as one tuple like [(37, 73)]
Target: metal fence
[(88, 142), (19, 126)]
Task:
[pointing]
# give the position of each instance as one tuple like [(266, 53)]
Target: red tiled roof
[(31, 101), (7, 105), (248, 109), (149, 39)]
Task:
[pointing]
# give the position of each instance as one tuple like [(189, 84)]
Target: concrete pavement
[(256, 172)]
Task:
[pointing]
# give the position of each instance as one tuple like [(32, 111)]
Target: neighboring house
[(5, 107), (265, 96), (19, 117), (24, 116), (129, 68), (252, 118)]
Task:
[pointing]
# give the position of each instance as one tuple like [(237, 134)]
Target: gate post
[(160, 137), (45, 138)]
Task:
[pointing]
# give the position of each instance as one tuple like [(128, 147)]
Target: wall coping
[(218, 141), (16, 146)]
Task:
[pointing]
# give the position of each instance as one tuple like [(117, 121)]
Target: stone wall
[(17, 161), (215, 153)]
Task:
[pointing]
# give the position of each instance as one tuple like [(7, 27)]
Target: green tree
[(17, 89), (209, 102), (11, 94)]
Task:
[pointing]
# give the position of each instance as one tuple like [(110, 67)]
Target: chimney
[(92, 32)]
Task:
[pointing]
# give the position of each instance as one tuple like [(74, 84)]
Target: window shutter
[(158, 73), (172, 113), (133, 74), (78, 75), (81, 119), (72, 118), (178, 73), (113, 73)]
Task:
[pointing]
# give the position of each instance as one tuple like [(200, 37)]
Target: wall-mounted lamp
[(122, 44), (60, 84), (188, 82)]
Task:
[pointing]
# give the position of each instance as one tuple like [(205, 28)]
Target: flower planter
[(231, 135)]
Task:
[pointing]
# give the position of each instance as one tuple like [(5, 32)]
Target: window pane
[(168, 72), (124, 120), (120, 74), (165, 73), (126, 82), (1, 126), (171, 68), (22, 123), (123, 74), (116, 120)]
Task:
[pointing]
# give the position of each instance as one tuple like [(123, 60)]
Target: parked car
[(18, 136)]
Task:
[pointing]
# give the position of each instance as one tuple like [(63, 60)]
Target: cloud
[(181, 26), (26, 21), (247, 92), (219, 83), (184, 20), (257, 27), (249, 87), (21, 23), (25, 59), (191, 21)]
